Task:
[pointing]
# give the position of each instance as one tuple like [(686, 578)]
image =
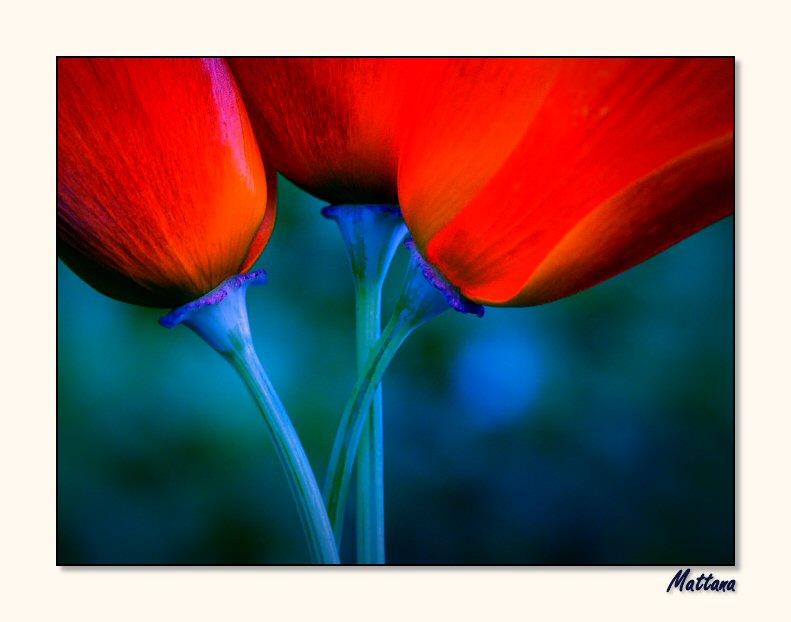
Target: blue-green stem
[(220, 318), (425, 295), (371, 234)]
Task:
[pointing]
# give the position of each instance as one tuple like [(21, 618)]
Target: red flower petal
[(161, 189), (650, 215), (460, 128), (598, 165), (264, 232), (330, 125)]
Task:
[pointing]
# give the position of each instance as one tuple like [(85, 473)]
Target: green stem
[(371, 234), (220, 318), (354, 418), (425, 295), (299, 474), (370, 457)]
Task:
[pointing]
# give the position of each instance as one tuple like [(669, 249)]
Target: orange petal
[(330, 125), (649, 216), (267, 225), (605, 125), (161, 188), (458, 130)]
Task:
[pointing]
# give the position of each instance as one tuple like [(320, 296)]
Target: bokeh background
[(598, 429)]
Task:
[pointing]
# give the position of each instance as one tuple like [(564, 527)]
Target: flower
[(521, 180), (330, 125), (162, 193)]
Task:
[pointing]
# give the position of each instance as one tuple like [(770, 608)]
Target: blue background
[(598, 429)]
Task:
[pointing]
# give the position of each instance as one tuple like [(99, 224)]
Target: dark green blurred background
[(594, 430)]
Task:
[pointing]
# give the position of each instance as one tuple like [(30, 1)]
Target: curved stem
[(299, 474), (425, 295), (354, 418), (220, 318)]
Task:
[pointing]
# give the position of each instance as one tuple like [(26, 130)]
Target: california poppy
[(162, 200), (521, 180), (162, 193), (330, 125)]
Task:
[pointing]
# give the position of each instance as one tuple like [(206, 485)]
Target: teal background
[(598, 429)]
